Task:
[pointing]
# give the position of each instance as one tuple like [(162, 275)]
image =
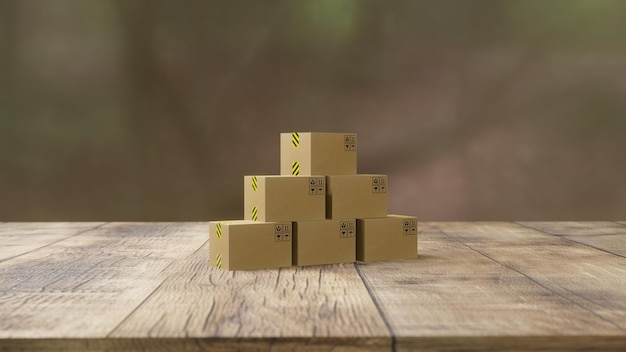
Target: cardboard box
[(391, 237), (356, 196), (248, 245), (324, 242), (316, 153), (284, 198)]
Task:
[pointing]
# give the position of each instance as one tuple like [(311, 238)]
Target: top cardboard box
[(318, 153)]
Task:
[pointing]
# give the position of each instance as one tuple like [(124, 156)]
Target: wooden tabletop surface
[(475, 286)]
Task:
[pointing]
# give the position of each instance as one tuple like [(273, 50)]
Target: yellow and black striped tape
[(295, 168), (255, 214), (295, 139), (218, 230), (218, 261), (254, 183)]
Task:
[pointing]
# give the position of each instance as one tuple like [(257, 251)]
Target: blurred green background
[(155, 110)]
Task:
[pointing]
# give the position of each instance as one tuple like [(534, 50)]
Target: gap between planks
[(112, 332), (453, 298), (576, 238), (606, 267), (533, 279), (377, 303), (102, 274), (306, 305), (80, 232)]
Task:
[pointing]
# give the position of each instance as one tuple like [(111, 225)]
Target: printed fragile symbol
[(295, 139), (254, 214), (254, 183), (376, 185), (349, 143), (295, 168), (218, 261), (218, 230)]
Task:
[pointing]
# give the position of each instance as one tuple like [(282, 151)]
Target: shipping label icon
[(282, 232), (317, 186), (409, 227), (379, 184), (347, 229), (349, 143)]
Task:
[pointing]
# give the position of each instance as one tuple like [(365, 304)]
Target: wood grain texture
[(455, 297), (85, 285), (319, 308), (21, 237), (606, 236), (591, 278), (475, 286), (585, 277)]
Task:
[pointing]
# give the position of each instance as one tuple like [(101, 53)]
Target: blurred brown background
[(155, 110)]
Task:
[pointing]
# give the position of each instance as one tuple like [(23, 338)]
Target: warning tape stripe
[(218, 229), (254, 214), (254, 183), (295, 168), (218, 261), (295, 139)]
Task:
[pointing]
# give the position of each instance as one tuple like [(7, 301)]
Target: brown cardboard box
[(391, 237), (284, 198), (356, 196), (324, 242), (317, 153), (248, 245)]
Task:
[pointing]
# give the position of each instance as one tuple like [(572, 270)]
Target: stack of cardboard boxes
[(317, 211)]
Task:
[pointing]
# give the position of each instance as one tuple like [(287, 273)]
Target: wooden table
[(475, 286)]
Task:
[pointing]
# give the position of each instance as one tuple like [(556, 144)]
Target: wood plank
[(316, 308), (588, 278), (185, 344), (513, 343), (18, 238), (604, 236), (571, 228), (85, 285), (615, 244), (453, 297)]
